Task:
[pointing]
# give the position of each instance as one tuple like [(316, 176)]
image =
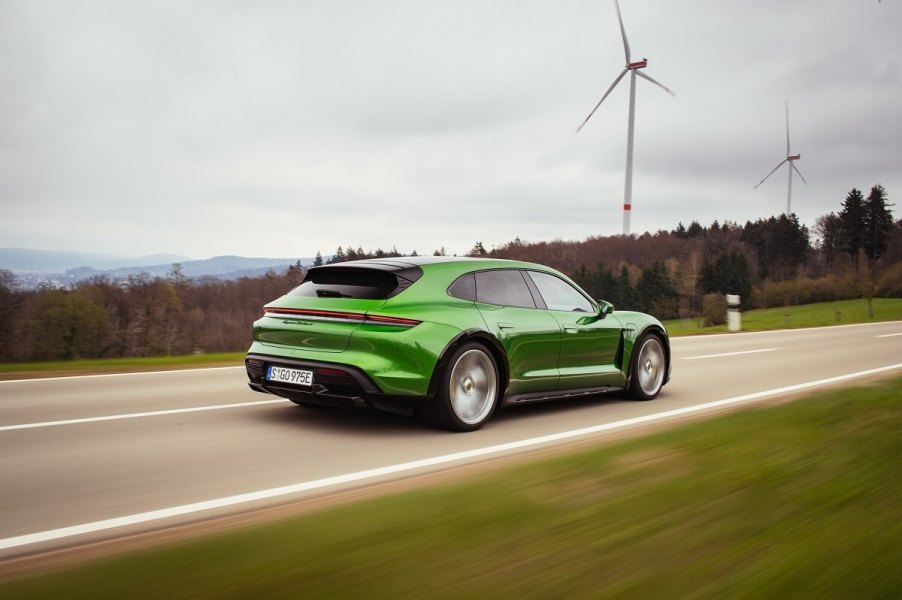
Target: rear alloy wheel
[(649, 364), (468, 391)]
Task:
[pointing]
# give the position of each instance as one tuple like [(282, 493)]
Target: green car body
[(423, 334)]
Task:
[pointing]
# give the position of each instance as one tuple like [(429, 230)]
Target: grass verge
[(796, 500), (119, 365), (843, 312)]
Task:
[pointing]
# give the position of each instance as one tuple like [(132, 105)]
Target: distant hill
[(41, 267), (224, 267), (25, 260)]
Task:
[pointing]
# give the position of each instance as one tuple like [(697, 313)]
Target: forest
[(683, 273)]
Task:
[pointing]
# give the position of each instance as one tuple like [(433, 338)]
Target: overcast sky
[(279, 128)]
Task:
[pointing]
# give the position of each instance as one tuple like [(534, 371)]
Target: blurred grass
[(811, 315), (842, 312), (119, 365), (795, 500)]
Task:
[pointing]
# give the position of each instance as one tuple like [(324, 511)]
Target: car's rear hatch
[(321, 314)]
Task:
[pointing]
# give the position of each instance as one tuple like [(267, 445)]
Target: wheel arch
[(661, 334), (485, 338)]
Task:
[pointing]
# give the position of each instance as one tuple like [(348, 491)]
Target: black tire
[(648, 366), (468, 390)]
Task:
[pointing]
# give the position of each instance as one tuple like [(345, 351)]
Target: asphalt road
[(90, 458)]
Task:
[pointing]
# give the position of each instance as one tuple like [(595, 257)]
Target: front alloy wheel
[(648, 367)]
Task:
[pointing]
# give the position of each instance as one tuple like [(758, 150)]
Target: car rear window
[(347, 282)]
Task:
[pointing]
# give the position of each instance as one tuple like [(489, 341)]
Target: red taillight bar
[(330, 314), (392, 320), (341, 316)]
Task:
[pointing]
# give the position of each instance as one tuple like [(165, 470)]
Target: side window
[(464, 288), (505, 287), (560, 295)]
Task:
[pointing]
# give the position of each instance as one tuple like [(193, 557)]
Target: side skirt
[(557, 395)]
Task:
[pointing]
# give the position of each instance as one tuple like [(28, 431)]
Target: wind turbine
[(633, 69), (790, 158)]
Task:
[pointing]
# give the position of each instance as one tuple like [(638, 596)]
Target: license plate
[(295, 376)]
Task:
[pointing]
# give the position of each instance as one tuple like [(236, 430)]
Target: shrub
[(714, 309), (890, 283)]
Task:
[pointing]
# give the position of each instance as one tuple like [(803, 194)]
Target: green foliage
[(852, 220), (781, 243), (69, 324), (829, 230), (10, 305), (477, 250), (728, 275), (890, 283), (806, 291), (806, 315), (878, 223), (714, 309), (655, 292)]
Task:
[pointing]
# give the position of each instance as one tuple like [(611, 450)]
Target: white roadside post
[(734, 319)]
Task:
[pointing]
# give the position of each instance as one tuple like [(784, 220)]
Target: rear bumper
[(334, 384)]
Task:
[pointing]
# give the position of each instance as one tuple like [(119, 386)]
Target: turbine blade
[(799, 172), (626, 44), (771, 173), (787, 129), (616, 81), (660, 85)]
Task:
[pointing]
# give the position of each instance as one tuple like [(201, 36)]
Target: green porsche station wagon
[(450, 339)]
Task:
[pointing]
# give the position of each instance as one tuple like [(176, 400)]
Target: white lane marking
[(729, 354), (174, 411), (67, 377), (316, 484), (889, 335)]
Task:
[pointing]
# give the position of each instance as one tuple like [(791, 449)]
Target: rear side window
[(505, 287), (464, 288), (342, 282)]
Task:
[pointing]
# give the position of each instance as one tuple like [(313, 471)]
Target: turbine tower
[(790, 158), (633, 69)]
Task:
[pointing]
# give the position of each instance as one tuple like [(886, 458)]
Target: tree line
[(681, 273), (138, 316)]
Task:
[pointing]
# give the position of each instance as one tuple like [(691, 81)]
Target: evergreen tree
[(295, 274), (695, 230), (829, 229), (318, 261), (781, 244), (338, 257), (729, 274), (655, 292), (478, 250), (851, 218), (878, 223), (623, 295)]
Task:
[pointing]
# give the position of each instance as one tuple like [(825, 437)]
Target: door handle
[(502, 325), (570, 328)]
